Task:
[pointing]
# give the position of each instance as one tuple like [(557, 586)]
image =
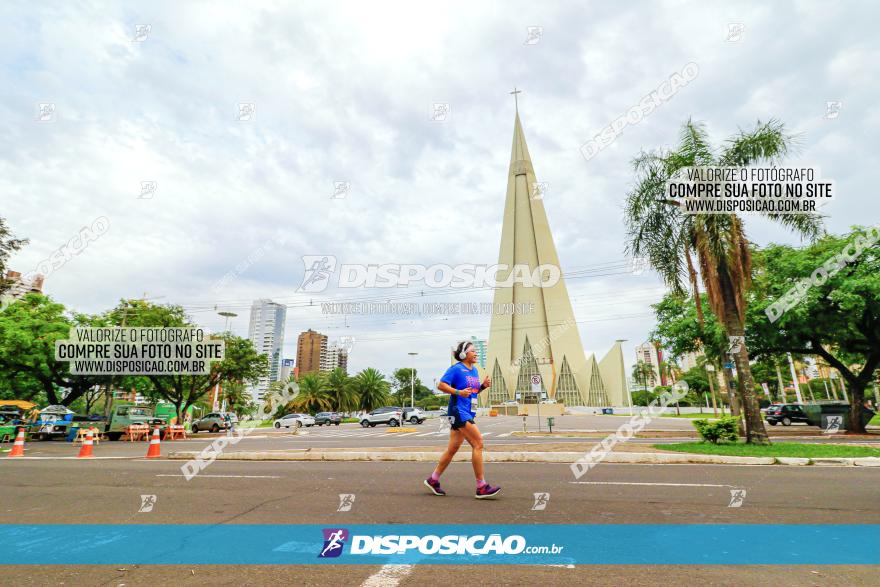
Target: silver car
[(294, 421)]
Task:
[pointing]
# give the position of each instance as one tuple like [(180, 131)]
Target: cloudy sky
[(344, 92)]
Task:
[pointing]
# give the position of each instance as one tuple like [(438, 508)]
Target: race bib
[(473, 403)]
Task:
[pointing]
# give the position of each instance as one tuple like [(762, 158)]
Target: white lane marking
[(407, 433), (229, 476), (485, 434), (504, 435), (388, 576), (652, 484)]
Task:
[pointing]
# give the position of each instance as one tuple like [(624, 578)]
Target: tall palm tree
[(371, 388), (643, 372), (342, 394), (670, 240), (313, 394)]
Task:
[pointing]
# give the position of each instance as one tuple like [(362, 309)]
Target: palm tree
[(371, 388), (313, 394), (642, 371), (342, 394), (670, 239)]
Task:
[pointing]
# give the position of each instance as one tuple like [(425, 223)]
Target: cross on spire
[(515, 92)]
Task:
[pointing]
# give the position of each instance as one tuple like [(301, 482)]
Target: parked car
[(548, 401), (510, 402), (294, 421), (388, 415), (215, 421), (786, 413), (328, 418), (413, 415)]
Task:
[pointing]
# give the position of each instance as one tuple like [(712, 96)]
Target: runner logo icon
[(334, 540)]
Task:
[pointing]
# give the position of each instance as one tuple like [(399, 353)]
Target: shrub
[(725, 429)]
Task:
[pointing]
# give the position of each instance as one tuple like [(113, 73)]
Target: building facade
[(311, 346), (266, 333)]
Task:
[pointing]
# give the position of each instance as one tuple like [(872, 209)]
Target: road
[(235, 492)]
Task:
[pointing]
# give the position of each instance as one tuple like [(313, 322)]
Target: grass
[(779, 449), (709, 415), (875, 421)]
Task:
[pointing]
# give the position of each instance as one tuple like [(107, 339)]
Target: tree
[(371, 388), (642, 372), (8, 245), (28, 331), (839, 319), (400, 385), (669, 239), (241, 361), (343, 397), (313, 394)]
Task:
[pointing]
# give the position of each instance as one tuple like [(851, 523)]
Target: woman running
[(462, 382)]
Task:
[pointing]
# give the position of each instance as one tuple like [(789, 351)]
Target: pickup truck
[(123, 416)]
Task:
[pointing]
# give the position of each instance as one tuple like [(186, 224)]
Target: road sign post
[(536, 389)]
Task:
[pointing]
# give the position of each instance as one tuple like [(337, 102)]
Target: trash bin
[(550, 423)]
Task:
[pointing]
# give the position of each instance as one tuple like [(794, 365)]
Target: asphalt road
[(497, 433), (235, 492)]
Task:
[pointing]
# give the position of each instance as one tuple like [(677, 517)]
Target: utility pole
[(794, 381), (412, 379)]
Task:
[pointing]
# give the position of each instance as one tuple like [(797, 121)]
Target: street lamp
[(227, 315), (412, 382)]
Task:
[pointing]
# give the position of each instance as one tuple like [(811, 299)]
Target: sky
[(132, 113)]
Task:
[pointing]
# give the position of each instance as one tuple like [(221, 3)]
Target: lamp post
[(227, 315), (412, 381)]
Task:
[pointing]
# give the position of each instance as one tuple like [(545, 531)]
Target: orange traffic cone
[(153, 451), (86, 451), (18, 447)]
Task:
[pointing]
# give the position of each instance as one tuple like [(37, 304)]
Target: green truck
[(123, 416)]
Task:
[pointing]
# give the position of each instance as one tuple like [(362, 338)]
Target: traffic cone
[(86, 451), (153, 451), (18, 447)]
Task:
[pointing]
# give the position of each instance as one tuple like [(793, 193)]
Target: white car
[(548, 401), (295, 421)]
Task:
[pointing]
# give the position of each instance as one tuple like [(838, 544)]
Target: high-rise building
[(19, 286), (689, 360), (333, 356), (310, 347), (649, 353), (266, 333), (545, 341), (482, 348)]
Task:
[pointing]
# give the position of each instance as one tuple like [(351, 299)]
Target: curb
[(530, 457)]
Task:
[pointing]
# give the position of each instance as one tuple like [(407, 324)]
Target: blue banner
[(580, 544)]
